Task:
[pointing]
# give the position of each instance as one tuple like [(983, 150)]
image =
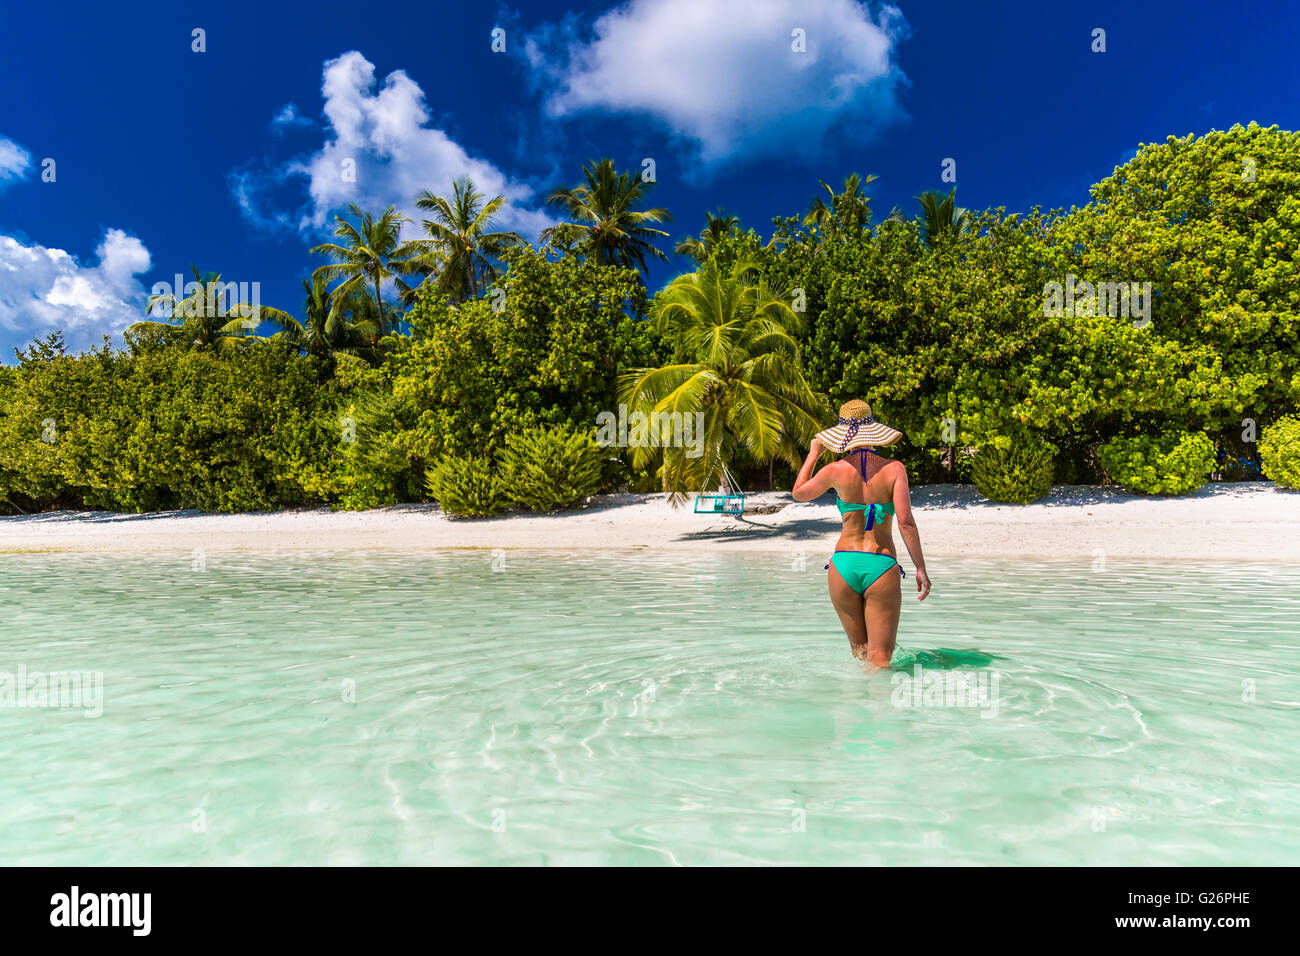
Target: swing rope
[(730, 501)]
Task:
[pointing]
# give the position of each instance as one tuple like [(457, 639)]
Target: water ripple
[(662, 709)]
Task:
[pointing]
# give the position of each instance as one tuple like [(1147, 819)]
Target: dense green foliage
[(942, 322), (540, 349), (468, 487), (1279, 447), (1017, 473), (552, 469), (1172, 463), (547, 470), (374, 466), (957, 331), (164, 428)]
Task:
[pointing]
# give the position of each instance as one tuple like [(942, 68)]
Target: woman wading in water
[(864, 575)]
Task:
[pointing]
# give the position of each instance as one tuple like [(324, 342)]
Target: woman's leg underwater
[(848, 605), (884, 600)]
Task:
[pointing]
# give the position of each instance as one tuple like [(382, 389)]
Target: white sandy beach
[(1250, 521)]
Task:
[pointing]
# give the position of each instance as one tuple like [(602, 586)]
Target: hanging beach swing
[(721, 503), (1229, 460)]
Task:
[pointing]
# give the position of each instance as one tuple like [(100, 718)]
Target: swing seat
[(1250, 467), (733, 505)]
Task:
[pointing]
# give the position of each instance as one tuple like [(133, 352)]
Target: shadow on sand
[(756, 529)]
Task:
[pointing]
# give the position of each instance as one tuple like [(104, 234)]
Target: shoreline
[(1238, 521)]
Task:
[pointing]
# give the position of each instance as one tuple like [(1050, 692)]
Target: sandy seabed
[(1245, 521)]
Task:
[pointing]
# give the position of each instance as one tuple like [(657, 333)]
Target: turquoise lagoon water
[(586, 708)]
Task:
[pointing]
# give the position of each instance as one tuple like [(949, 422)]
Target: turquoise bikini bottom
[(860, 569)]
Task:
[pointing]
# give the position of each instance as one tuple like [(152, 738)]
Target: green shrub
[(1018, 471), (465, 486), (1279, 449), (375, 468), (551, 469), (164, 428), (472, 373), (1172, 463)]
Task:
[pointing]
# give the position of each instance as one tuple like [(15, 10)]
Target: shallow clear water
[(584, 708)]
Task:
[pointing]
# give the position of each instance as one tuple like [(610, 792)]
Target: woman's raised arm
[(808, 487)]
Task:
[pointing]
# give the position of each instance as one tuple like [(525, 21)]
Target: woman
[(864, 575)]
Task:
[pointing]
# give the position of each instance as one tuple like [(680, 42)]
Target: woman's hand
[(815, 447), (922, 584)]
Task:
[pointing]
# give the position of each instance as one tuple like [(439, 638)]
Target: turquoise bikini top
[(875, 513)]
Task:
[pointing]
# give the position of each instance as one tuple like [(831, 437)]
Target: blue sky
[(164, 156)]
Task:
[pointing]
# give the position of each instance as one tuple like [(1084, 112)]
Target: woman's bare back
[(881, 479)]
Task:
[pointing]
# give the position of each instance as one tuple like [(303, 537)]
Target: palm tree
[(460, 249), (373, 255), (716, 228), (738, 363), (895, 215), (941, 219), (605, 218), (211, 315), (325, 331), (847, 212), (372, 319)]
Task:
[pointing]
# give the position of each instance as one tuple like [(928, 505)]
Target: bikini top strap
[(870, 509)]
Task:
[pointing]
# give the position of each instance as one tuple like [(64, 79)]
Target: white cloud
[(42, 289), (289, 117), (724, 76), (14, 162), (381, 131)]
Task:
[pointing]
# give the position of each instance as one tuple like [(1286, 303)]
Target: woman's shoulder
[(841, 470), (893, 471), (893, 468)]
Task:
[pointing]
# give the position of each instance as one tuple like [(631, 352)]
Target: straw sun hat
[(857, 428)]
